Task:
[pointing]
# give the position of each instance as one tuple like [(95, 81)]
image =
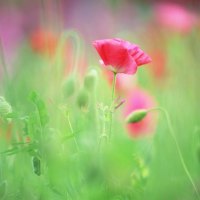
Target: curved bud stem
[(171, 130), (65, 35)]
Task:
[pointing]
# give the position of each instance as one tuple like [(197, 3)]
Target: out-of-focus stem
[(111, 105), (65, 35), (103, 134), (171, 130), (72, 132)]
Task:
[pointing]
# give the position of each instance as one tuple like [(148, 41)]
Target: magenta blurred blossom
[(140, 99), (120, 56), (175, 17)]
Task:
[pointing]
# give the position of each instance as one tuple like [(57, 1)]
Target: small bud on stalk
[(136, 116)]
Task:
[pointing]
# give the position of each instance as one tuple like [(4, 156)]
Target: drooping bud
[(5, 107), (136, 116), (69, 87), (90, 79), (83, 99)]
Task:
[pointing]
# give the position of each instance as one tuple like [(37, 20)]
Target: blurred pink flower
[(140, 99), (120, 55), (175, 17)]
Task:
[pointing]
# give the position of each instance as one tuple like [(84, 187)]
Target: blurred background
[(169, 31), (21, 20)]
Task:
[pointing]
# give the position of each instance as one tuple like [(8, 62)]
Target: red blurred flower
[(121, 56), (175, 17), (159, 66), (140, 99), (44, 42)]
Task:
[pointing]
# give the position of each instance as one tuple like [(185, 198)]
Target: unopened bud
[(90, 79), (136, 116), (69, 87), (83, 99), (5, 107)]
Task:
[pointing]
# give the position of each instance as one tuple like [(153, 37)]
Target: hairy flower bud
[(136, 116), (90, 79)]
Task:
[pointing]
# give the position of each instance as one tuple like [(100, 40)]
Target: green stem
[(103, 134), (65, 35), (111, 105), (177, 147), (72, 132), (59, 56)]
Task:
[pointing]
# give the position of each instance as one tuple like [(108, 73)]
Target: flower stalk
[(111, 105), (72, 131), (171, 130)]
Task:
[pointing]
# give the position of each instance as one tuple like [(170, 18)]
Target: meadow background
[(55, 99)]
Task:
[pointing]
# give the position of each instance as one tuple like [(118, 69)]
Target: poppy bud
[(83, 99), (136, 116), (5, 107), (90, 79), (69, 87)]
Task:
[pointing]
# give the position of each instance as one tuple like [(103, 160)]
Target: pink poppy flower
[(175, 17), (140, 99), (121, 56)]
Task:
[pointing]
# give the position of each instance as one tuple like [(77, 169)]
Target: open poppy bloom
[(121, 56)]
